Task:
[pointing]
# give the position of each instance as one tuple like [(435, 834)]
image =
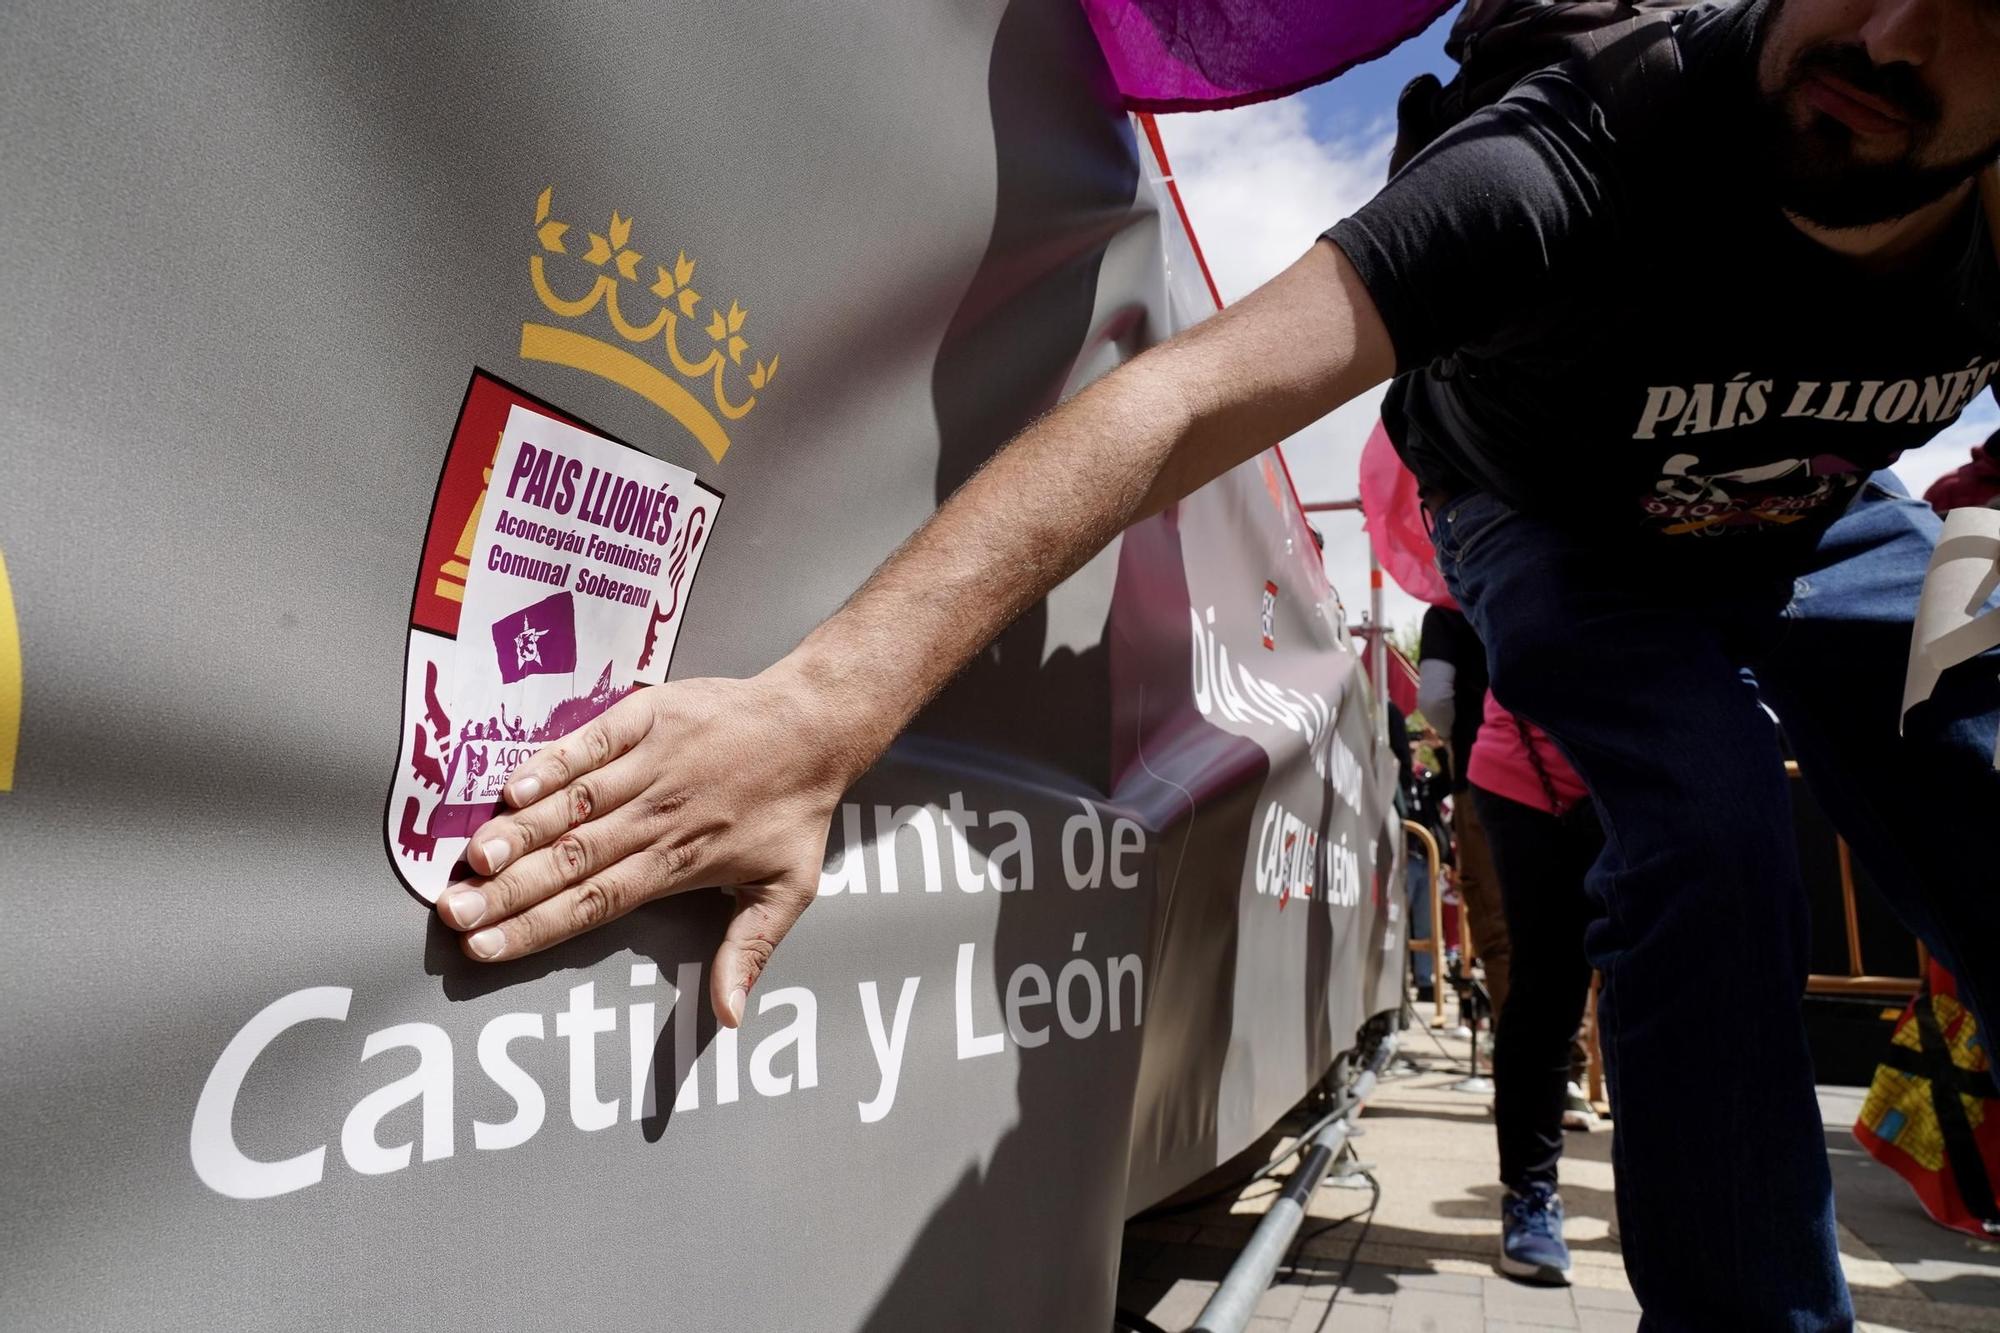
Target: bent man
[(1651, 355)]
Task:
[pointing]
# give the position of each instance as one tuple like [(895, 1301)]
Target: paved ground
[(1422, 1261)]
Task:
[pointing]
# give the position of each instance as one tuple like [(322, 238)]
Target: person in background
[(1429, 739), (1451, 693), (1415, 801), (1544, 835)]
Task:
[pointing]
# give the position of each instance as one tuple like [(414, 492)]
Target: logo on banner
[(1267, 619), (566, 557), (605, 290)]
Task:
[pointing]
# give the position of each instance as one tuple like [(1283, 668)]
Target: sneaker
[(1578, 1113), (1531, 1237)]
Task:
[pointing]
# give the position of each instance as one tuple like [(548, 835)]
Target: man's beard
[(1816, 172)]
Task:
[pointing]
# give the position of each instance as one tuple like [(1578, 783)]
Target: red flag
[(1396, 522)]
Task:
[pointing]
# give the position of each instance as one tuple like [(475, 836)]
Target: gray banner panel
[(1106, 912)]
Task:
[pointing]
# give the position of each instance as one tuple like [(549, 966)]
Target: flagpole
[(1378, 648)]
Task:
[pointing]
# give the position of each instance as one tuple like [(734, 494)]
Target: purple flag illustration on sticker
[(538, 640)]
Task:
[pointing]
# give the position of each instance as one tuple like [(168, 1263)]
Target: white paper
[(1952, 625), (585, 553)]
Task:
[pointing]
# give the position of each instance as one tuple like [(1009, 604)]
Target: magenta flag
[(538, 640), (1202, 55)]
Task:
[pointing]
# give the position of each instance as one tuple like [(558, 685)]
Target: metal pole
[(1854, 966), (1379, 650), (1235, 1301), (1230, 1309)]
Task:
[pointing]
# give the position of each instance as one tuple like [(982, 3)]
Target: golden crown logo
[(615, 282)]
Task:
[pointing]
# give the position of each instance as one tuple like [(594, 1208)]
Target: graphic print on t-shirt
[(1687, 500), (1697, 496)]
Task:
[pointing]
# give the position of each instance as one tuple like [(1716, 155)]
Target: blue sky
[(1367, 93)]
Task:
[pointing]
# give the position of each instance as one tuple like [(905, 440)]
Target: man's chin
[(1850, 204), (1834, 181), (1868, 198), (1834, 213)]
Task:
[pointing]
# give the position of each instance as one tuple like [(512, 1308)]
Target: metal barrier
[(1436, 941), (1234, 1303)]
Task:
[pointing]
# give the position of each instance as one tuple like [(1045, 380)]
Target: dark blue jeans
[(1639, 662)]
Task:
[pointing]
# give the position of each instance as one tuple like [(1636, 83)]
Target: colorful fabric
[(1202, 55), (1511, 759), (1395, 518), (1932, 1115), (1976, 482)]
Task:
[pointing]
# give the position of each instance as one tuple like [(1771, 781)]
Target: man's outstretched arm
[(734, 782)]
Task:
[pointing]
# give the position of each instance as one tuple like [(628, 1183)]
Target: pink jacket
[(1501, 763)]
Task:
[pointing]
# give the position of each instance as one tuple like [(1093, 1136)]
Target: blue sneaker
[(1531, 1236)]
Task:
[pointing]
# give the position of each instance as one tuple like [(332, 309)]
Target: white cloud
[(1259, 189)]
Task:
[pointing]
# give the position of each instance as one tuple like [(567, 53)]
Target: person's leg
[(1422, 965), (1479, 890), (1578, 1113), (1917, 807), (1541, 862), (1726, 1217)]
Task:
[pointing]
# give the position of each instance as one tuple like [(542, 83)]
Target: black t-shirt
[(1449, 635), (1427, 808), (1601, 315)]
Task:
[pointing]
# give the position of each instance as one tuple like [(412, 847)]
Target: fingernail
[(465, 908), (486, 944), (496, 855), (525, 790), (737, 998)]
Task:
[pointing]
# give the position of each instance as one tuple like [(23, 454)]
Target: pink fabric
[(1402, 677), (1395, 519), (1975, 483), (1501, 763), (1200, 55)]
